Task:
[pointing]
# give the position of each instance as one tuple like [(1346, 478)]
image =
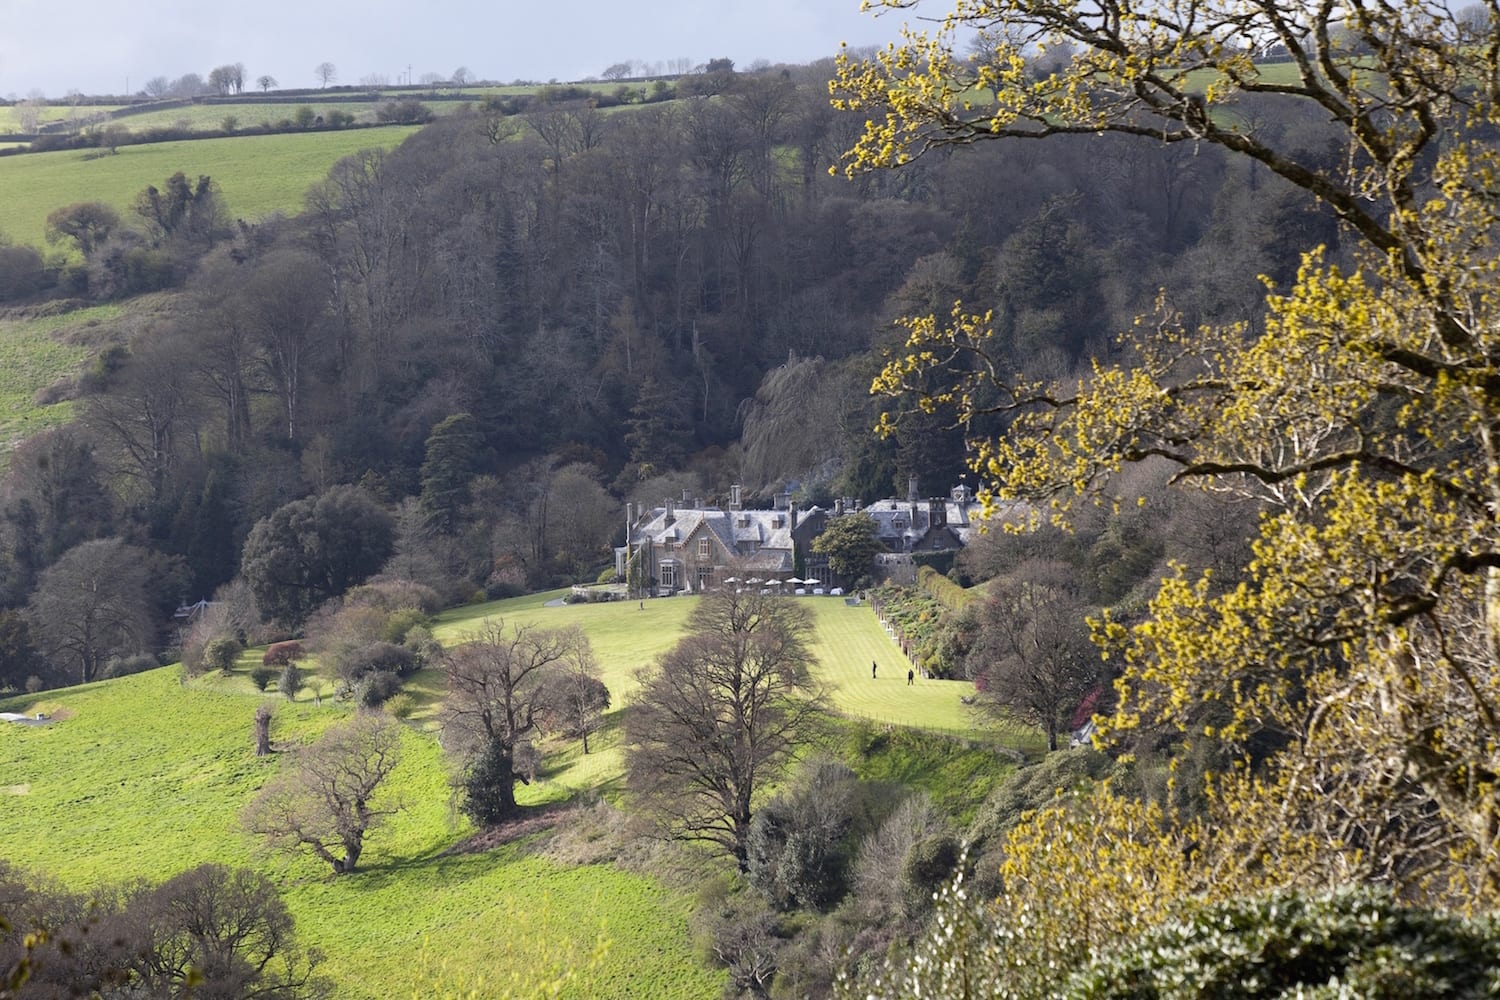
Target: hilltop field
[(257, 175), (144, 776)]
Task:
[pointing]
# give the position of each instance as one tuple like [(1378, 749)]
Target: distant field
[(258, 174), (32, 357), (10, 115), (249, 115)]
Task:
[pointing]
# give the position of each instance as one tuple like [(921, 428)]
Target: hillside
[(142, 777), (256, 174)]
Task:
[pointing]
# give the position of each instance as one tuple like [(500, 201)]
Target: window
[(705, 549), (668, 574)]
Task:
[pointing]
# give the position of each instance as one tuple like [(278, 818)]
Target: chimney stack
[(734, 497), (911, 489)]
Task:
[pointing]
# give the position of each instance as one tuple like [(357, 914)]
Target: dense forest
[(522, 317)]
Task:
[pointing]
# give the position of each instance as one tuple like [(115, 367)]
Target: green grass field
[(10, 115), (258, 174), (204, 117), (144, 776), (847, 639), (35, 353)]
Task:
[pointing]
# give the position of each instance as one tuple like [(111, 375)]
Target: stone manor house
[(688, 547)]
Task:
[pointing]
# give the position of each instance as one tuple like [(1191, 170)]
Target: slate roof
[(761, 540)]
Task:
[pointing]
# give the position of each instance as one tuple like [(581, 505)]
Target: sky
[(112, 47)]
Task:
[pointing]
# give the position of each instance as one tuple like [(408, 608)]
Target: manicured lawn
[(257, 174), (846, 640)]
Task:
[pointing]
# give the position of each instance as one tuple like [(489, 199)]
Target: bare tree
[(221, 79), (577, 698), (326, 73), (91, 605), (326, 802), (462, 77), (721, 715), (1033, 656), (496, 701), (265, 82), (216, 933)]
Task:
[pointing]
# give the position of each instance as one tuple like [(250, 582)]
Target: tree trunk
[(262, 731)]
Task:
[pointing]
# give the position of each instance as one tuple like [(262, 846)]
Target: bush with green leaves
[(377, 657), (401, 622), (1353, 942), (798, 850), (378, 687), (290, 681), (220, 654), (262, 677), (485, 787), (1350, 942)]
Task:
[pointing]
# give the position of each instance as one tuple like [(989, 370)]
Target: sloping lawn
[(142, 777)]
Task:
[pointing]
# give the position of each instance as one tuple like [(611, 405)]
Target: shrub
[(407, 112), (400, 705), (262, 677), (376, 657), (1351, 942), (402, 621), (378, 687), (279, 654), (304, 117), (220, 654), (485, 786), (121, 666), (949, 594), (422, 643), (394, 595), (290, 681), (799, 843), (930, 863)]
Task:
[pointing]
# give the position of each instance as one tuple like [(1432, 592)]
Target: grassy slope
[(74, 798), (72, 794), (258, 174), (34, 353)]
